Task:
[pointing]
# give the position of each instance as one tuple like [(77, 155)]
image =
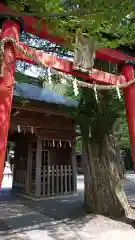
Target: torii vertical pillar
[(10, 28), (129, 96)]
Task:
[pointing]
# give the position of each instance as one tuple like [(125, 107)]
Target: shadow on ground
[(61, 218), (26, 222)]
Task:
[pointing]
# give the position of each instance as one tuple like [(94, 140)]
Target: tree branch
[(72, 13)]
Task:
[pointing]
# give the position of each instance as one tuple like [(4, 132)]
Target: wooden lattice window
[(107, 66)]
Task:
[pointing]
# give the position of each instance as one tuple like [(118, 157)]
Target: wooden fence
[(56, 180)]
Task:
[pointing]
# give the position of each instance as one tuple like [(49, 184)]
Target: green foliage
[(124, 136), (97, 18), (58, 88), (78, 144), (99, 117), (19, 77)]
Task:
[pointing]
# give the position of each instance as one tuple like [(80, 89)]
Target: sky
[(34, 41)]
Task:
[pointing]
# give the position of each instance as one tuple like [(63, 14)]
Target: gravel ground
[(97, 227)]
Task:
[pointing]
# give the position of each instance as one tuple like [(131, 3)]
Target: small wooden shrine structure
[(45, 156)]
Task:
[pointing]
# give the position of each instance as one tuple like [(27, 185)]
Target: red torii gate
[(11, 27)]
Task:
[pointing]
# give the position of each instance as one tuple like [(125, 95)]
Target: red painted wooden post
[(129, 95), (9, 29)]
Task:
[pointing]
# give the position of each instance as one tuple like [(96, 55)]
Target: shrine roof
[(33, 92)]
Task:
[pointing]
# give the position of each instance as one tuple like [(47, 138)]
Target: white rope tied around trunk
[(60, 74)]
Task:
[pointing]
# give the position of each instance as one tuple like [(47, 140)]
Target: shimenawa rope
[(66, 77)]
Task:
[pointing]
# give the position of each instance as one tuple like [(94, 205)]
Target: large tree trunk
[(104, 193), (118, 158), (120, 163)]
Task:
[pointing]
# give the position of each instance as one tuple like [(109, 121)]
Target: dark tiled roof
[(33, 92)]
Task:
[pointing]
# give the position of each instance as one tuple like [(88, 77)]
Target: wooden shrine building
[(44, 137)]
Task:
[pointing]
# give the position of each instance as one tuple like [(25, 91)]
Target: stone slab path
[(60, 219), (25, 223)]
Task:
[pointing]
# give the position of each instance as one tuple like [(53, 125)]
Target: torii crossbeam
[(11, 27)]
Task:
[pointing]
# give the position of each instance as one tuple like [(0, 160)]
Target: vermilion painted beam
[(67, 66), (106, 54), (112, 55)]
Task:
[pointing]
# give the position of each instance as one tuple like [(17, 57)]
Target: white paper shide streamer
[(49, 75), (118, 91), (75, 87)]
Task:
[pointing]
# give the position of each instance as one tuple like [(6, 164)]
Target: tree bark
[(104, 193), (118, 157), (120, 162)]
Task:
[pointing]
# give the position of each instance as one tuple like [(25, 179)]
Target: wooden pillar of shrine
[(29, 170), (38, 168), (74, 166)]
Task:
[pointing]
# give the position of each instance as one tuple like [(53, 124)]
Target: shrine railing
[(56, 180)]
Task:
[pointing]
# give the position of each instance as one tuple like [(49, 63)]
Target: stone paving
[(60, 219), (25, 223), (61, 208)]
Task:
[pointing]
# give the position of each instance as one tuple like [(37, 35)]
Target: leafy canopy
[(98, 18)]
